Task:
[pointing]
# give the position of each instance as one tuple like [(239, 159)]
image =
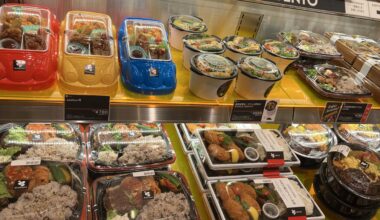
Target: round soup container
[(211, 76), (238, 47), (194, 44), (256, 77), (282, 54), (181, 25)]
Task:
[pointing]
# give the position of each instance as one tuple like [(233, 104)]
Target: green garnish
[(311, 73), (111, 214), (16, 133), (9, 151), (227, 140), (172, 179), (106, 147), (3, 187)]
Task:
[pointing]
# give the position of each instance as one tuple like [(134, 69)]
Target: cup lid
[(214, 65), (260, 68)]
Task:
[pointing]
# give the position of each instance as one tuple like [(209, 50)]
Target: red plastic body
[(41, 66)]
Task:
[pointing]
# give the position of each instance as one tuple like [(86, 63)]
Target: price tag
[(254, 110), (27, 162), (87, 108), (346, 112), (357, 7), (374, 9), (330, 5), (343, 149), (143, 173)]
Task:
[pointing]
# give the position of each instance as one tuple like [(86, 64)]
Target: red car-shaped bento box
[(28, 47)]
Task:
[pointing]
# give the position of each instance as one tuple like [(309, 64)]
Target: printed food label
[(357, 7), (89, 69), (290, 197), (36, 137), (19, 65), (148, 194), (343, 149), (271, 145), (21, 184), (143, 173), (27, 162), (368, 64)]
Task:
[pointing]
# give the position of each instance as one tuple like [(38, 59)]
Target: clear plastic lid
[(245, 148), (260, 68), (359, 48), (337, 79), (281, 49), (214, 65), (310, 140), (125, 146), (263, 198), (47, 141), (363, 134), (188, 23), (24, 28), (88, 33), (310, 42), (245, 45), (43, 191), (357, 168), (145, 195), (372, 45), (204, 43), (147, 40)]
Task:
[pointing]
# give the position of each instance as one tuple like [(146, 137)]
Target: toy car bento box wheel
[(146, 62), (88, 61), (28, 47)]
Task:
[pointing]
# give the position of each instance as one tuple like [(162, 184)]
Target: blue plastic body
[(137, 73)]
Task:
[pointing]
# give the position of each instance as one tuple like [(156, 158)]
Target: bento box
[(28, 47), (194, 44), (142, 196), (146, 62), (43, 190), (263, 198), (181, 25), (238, 47), (88, 59), (128, 147), (59, 142), (311, 142), (367, 135), (310, 44), (211, 76), (245, 149), (256, 77), (280, 53), (334, 81)]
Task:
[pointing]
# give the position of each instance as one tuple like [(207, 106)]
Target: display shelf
[(298, 102), (182, 165)]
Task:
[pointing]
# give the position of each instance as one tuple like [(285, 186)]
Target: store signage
[(346, 112), (87, 108), (329, 5), (254, 110)]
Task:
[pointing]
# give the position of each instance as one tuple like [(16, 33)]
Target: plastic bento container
[(353, 174), (367, 135), (311, 142), (88, 59), (280, 53), (256, 77), (310, 44), (211, 76), (60, 142), (238, 47), (369, 67), (119, 147), (181, 25), (327, 196), (146, 62), (44, 190), (194, 44), (334, 81), (263, 198), (143, 195), (28, 47), (245, 148)]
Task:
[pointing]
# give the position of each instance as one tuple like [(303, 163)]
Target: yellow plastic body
[(72, 78)]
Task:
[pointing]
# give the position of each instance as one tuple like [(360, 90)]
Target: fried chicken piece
[(151, 184), (218, 152), (250, 201), (240, 188), (12, 32), (41, 177), (214, 137), (223, 191), (234, 210)]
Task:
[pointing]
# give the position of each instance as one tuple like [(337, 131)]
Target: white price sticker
[(27, 162), (143, 173), (343, 149)]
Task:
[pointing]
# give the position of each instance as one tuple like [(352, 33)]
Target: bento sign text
[(311, 3)]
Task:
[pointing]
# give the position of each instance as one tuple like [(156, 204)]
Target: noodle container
[(189, 51), (207, 86), (252, 87), (177, 33), (344, 191), (325, 193), (236, 55), (282, 62)]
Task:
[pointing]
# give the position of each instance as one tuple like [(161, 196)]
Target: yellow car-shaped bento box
[(88, 61)]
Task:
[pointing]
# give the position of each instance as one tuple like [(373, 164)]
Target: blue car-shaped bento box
[(145, 57)]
